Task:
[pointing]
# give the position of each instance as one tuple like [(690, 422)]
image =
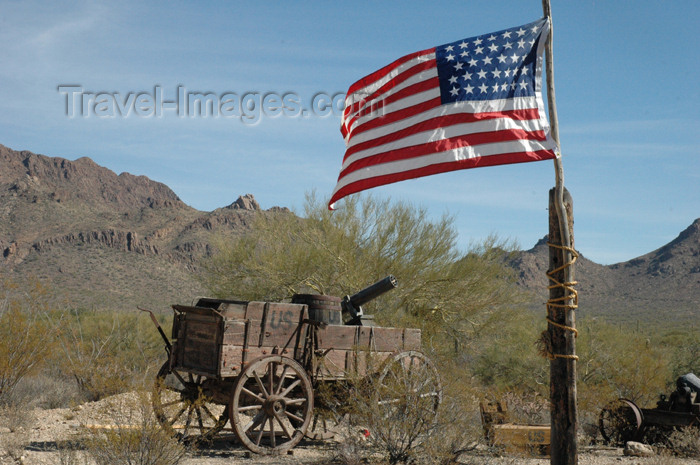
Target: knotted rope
[(545, 344)]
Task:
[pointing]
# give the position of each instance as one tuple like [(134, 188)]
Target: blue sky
[(626, 86)]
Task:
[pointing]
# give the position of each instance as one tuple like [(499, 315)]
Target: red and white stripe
[(396, 128)]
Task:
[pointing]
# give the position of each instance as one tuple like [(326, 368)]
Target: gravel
[(46, 439)]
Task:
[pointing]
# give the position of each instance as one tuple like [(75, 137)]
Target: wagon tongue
[(168, 345)]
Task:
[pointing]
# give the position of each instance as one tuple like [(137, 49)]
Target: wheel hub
[(274, 405)]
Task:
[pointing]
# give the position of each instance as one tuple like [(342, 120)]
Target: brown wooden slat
[(336, 337)]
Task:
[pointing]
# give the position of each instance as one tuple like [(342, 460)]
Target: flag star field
[(491, 66)]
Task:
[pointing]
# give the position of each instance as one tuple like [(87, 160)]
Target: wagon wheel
[(409, 390), (181, 407), (272, 404), (620, 421)]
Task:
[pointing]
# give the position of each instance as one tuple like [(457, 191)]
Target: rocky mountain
[(663, 285), (102, 240)]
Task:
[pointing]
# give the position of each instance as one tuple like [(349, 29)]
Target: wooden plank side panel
[(233, 310), (364, 338), (255, 310), (202, 357), (522, 439), (520, 435), (283, 325), (337, 337), (381, 339), (411, 339), (231, 360), (198, 343), (234, 358), (234, 332), (387, 339)]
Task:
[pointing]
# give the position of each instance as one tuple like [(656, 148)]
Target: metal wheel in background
[(182, 408), (620, 421), (272, 405)]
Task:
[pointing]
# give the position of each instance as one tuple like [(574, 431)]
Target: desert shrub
[(458, 428), (136, 439), (48, 389), (27, 335), (504, 357), (683, 442), (18, 420), (391, 417), (108, 352), (621, 362), (684, 349)]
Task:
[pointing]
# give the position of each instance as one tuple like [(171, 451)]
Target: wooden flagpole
[(561, 328)]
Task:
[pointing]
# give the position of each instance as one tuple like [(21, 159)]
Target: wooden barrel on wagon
[(322, 308)]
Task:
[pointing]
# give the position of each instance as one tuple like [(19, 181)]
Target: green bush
[(109, 352), (27, 335)]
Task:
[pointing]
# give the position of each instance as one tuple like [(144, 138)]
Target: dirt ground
[(51, 430)]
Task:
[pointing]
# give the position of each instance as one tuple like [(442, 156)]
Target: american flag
[(471, 103)]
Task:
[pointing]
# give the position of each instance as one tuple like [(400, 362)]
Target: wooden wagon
[(261, 366)]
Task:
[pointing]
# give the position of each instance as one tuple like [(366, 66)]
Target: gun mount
[(352, 305)]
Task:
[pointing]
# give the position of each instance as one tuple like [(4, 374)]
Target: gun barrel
[(373, 291)]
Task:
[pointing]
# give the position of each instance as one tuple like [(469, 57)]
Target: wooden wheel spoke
[(294, 417), (260, 416), (407, 370), (168, 404), (426, 380), (297, 401), (262, 430), (260, 385), (281, 383), (208, 412), (290, 387), (249, 407), (177, 415), (180, 378), (252, 394), (272, 369), (284, 426), (187, 422), (274, 417), (200, 422), (410, 384)]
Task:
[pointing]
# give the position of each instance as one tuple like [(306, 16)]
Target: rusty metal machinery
[(622, 420)]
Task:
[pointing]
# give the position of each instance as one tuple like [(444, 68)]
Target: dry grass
[(18, 421), (136, 438)]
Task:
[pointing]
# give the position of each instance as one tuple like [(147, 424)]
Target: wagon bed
[(216, 338)]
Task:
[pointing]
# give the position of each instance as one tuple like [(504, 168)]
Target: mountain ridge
[(105, 240), (665, 281)]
